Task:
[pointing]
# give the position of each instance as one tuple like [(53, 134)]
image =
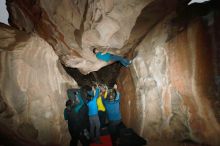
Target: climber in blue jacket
[(107, 57), (112, 105)]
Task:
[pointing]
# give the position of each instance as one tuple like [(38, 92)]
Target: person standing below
[(101, 107), (112, 104), (107, 57), (93, 115), (76, 113)]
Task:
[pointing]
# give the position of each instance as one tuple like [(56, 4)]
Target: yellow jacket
[(100, 105)]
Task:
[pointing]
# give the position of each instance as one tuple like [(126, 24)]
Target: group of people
[(91, 109)]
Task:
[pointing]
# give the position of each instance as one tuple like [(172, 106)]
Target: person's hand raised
[(115, 86)]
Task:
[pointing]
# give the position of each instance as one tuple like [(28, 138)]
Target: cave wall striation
[(32, 91), (173, 95)]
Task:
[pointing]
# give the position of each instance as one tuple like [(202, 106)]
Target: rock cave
[(170, 92)]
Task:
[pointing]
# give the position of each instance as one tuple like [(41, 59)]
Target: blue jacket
[(113, 108), (105, 57), (92, 104)]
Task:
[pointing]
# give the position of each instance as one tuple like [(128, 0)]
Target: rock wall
[(173, 95), (32, 91)]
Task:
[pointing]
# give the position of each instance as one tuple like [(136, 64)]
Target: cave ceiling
[(74, 27)]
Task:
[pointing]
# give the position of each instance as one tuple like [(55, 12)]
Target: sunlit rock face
[(33, 91), (74, 27), (173, 95)]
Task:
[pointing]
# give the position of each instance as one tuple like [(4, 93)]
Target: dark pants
[(114, 130), (102, 118), (76, 138)]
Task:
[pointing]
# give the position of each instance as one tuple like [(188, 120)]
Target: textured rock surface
[(170, 93), (32, 89), (73, 27), (174, 85)]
